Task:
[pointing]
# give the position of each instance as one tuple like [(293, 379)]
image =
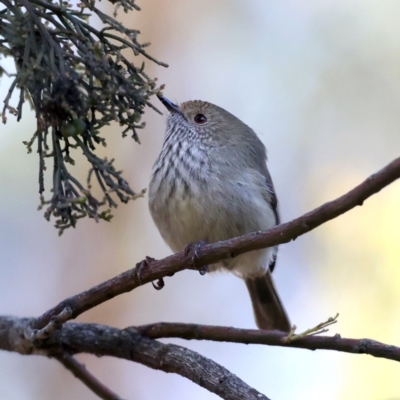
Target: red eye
[(200, 119)]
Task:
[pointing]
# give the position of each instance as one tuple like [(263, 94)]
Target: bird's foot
[(193, 249), (140, 266)]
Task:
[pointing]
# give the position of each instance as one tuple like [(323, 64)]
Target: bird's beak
[(170, 106)]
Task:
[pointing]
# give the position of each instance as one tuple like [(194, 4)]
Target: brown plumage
[(211, 183)]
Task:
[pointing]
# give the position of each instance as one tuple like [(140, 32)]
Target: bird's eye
[(200, 119)]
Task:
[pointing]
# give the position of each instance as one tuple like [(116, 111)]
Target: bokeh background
[(319, 81)]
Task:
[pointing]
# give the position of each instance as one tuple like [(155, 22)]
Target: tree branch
[(79, 371), (101, 340), (138, 344), (271, 338), (150, 270)]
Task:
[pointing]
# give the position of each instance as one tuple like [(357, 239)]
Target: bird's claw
[(140, 266), (159, 285), (193, 249), (203, 270)]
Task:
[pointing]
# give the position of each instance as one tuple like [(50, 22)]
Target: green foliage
[(78, 80)]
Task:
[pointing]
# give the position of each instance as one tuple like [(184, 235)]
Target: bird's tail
[(267, 306)]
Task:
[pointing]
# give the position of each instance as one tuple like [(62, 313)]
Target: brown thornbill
[(211, 183)]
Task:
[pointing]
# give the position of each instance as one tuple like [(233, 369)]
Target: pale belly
[(208, 215)]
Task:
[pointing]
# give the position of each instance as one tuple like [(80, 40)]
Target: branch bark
[(101, 340), (150, 270), (138, 344), (271, 338)]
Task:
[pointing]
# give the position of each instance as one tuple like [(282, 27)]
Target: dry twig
[(79, 371)]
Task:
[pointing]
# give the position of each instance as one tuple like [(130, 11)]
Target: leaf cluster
[(78, 79)]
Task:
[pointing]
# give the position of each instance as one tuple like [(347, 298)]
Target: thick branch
[(212, 253), (271, 338), (12, 335), (138, 344), (102, 340)]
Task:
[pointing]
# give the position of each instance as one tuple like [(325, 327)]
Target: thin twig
[(316, 330), (79, 371), (54, 323), (271, 338)]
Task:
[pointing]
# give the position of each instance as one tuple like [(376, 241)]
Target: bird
[(209, 183)]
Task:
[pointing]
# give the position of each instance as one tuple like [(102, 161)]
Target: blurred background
[(319, 81)]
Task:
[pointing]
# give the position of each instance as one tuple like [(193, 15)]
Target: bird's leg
[(193, 250)]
